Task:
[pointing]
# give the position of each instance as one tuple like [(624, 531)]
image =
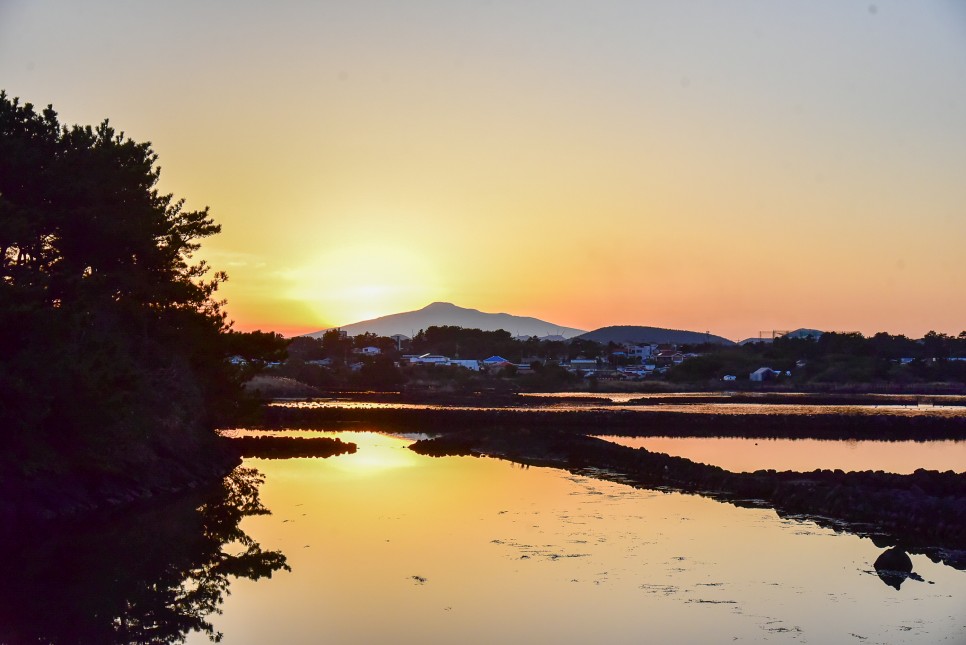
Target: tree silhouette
[(113, 342)]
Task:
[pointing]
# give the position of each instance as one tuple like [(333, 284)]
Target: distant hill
[(445, 313), (636, 334)]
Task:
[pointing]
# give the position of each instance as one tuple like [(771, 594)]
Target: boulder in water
[(894, 559), (893, 567)]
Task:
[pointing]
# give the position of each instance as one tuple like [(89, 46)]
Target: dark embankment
[(28, 497), (269, 447), (924, 512), (631, 422)]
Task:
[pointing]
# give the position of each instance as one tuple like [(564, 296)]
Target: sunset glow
[(687, 165)]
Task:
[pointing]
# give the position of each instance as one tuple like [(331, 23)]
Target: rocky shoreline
[(436, 420), (923, 512), (269, 447)]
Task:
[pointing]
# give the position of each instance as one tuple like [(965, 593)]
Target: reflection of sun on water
[(375, 453)]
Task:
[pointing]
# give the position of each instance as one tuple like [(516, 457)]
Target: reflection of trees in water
[(148, 577)]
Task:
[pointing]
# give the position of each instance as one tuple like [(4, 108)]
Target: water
[(386, 545), (747, 455), (389, 546)]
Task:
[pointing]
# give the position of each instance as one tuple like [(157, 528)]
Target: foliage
[(379, 373), (112, 334), (549, 378), (306, 348), (837, 358), (459, 342)]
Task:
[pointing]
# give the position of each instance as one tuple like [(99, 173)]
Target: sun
[(349, 284)]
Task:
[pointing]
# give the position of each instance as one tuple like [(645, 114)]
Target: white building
[(639, 351), (429, 359), (763, 374)]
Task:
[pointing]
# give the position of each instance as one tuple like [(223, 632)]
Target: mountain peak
[(446, 313), (439, 306)]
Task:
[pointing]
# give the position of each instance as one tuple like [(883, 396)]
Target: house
[(495, 361), (639, 351), (466, 363), (370, 351), (637, 371), (429, 359), (669, 357), (583, 364), (763, 374)]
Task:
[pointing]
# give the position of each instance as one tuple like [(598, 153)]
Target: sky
[(726, 167)]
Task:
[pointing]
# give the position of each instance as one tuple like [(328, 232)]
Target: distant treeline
[(835, 358), (830, 360)]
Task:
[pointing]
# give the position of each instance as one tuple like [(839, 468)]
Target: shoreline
[(27, 502), (614, 420)]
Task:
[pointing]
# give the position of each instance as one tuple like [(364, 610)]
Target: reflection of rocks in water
[(894, 566), (151, 576)]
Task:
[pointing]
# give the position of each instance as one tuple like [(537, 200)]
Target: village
[(338, 351), (462, 357)]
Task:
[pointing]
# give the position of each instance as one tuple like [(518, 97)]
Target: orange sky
[(691, 165)]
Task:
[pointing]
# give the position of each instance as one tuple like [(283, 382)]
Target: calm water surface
[(389, 546), (747, 455)]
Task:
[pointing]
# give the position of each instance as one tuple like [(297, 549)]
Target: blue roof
[(495, 359)]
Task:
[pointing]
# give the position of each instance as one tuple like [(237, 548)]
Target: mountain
[(445, 313), (636, 334)]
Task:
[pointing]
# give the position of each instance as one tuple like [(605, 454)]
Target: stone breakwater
[(268, 447), (438, 420), (924, 512)]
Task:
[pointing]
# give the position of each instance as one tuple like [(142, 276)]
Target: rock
[(894, 559)]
